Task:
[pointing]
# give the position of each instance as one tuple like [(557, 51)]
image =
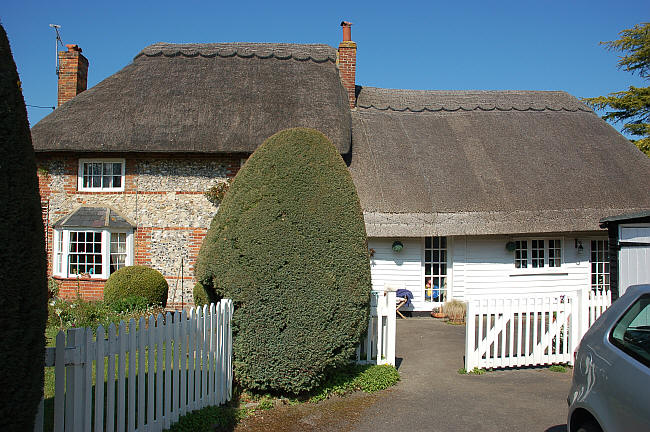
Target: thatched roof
[(204, 98), (489, 162)]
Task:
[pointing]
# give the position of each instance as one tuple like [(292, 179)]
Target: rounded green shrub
[(136, 281), (288, 245), (23, 268), (200, 296)]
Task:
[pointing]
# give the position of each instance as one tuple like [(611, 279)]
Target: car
[(610, 390)]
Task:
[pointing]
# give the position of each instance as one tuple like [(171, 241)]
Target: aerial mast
[(58, 41)]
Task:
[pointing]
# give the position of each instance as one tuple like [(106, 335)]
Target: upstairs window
[(101, 175), (538, 253)]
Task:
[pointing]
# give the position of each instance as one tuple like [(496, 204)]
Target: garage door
[(634, 255)]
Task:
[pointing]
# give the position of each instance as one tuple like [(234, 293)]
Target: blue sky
[(520, 45)]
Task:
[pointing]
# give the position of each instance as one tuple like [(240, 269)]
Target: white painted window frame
[(540, 270), (588, 240), (449, 275), (60, 264), (80, 177)]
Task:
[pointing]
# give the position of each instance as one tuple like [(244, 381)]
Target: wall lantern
[(397, 246), (511, 246), (578, 245)]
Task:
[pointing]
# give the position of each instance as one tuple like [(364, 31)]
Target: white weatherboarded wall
[(481, 266), (406, 267), (634, 255)]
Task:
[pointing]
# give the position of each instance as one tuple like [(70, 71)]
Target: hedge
[(137, 281), (200, 296), (288, 245), (23, 268)]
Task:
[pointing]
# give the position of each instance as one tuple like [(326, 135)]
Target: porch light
[(578, 245)]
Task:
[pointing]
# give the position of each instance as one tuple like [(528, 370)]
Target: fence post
[(583, 313), (74, 391), (470, 328), (574, 336), (391, 327)]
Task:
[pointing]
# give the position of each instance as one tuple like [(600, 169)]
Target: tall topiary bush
[(288, 245), (137, 281), (23, 278)]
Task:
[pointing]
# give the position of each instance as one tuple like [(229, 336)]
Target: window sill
[(82, 278), (538, 272)]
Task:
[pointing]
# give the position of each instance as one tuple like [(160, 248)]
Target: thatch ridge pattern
[(466, 100), (318, 53)]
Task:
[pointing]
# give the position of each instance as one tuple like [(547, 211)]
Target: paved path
[(432, 396)]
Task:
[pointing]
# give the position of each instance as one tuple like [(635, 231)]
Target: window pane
[(521, 254), (117, 181), (600, 265), (435, 268), (631, 333), (107, 181)]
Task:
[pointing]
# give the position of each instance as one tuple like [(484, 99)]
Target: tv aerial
[(57, 42)]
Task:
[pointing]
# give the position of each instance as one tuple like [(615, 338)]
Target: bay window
[(94, 253)]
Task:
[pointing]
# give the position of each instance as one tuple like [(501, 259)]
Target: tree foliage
[(288, 245), (23, 277), (632, 105)]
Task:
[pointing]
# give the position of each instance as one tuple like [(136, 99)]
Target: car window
[(632, 332)]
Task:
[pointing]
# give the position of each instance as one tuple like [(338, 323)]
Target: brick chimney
[(73, 73), (347, 62)]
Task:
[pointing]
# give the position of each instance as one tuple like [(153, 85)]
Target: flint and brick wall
[(163, 195)]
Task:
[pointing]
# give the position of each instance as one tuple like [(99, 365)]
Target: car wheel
[(589, 426)]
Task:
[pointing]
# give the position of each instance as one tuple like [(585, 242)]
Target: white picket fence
[(527, 331), (176, 364), (378, 346)]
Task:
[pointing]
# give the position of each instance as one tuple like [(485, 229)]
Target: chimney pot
[(73, 47), (347, 30)]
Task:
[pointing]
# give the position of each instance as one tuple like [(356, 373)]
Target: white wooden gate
[(378, 346), (176, 364), (527, 331)]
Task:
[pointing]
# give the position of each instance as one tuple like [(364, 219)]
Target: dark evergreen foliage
[(23, 270), (201, 296), (288, 245), (137, 281)]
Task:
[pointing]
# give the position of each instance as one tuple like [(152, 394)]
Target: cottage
[(465, 193)]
